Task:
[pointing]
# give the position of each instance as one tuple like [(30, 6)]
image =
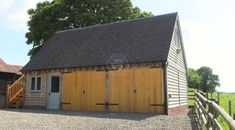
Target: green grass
[(190, 97), (224, 99)]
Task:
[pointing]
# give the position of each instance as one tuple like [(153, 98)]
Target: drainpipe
[(164, 67)]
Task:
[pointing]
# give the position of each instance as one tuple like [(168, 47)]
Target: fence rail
[(207, 111)]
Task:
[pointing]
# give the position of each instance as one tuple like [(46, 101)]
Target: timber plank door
[(83, 90), (148, 85), (72, 92), (93, 85), (120, 90), (136, 90)]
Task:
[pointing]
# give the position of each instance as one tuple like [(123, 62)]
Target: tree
[(209, 81), (193, 79), (49, 17)]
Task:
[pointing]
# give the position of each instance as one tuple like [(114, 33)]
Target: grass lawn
[(191, 97), (224, 99)]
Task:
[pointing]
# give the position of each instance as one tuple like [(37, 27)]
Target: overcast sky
[(207, 25)]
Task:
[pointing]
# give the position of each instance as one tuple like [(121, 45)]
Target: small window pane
[(39, 83), (178, 38), (33, 83), (55, 84)]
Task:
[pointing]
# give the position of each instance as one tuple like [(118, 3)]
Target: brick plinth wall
[(178, 110)]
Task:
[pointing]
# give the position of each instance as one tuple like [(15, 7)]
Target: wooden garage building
[(132, 66)]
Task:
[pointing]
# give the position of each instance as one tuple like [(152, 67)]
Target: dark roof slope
[(141, 40)]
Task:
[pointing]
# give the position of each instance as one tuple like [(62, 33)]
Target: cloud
[(13, 13), (5, 5)]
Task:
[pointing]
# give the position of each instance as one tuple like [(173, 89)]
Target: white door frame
[(49, 90)]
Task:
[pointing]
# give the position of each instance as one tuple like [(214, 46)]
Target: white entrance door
[(54, 93)]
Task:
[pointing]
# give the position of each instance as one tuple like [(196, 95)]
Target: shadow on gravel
[(110, 115), (194, 122)]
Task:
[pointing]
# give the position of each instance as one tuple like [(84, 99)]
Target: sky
[(207, 28)]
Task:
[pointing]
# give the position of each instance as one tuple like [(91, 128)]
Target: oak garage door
[(136, 90), (126, 90), (82, 90)]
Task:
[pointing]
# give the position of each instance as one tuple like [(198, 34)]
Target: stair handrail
[(12, 85), (11, 96)]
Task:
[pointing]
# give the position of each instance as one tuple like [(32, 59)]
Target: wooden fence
[(218, 102), (207, 111)]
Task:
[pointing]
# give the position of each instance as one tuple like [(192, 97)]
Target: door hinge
[(107, 104), (65, 103), (156, 105)]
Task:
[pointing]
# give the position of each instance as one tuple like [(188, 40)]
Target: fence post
[(230, 109), (218, 98), (215, 112), (234, 116), (211, 96)]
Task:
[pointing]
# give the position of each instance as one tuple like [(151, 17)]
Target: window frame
[(177, 38), (35, 84), (58, 84)]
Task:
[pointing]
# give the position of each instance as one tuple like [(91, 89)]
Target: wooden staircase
[(14, 94)]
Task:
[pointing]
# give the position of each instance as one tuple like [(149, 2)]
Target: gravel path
[(62, 120)]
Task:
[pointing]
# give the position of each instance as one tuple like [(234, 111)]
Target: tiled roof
[(9, 68), (136, 41)]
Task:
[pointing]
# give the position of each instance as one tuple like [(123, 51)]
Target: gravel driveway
[(62, 120)]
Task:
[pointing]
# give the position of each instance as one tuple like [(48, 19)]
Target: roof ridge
[(113, 23), (14, 65)]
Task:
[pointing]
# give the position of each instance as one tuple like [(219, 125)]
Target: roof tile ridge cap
[(15, 65), (98, 25), (113, 23)]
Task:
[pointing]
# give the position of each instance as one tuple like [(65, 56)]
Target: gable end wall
[(176, 75)]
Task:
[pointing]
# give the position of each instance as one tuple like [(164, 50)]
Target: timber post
[(7, 95), (230, 107), (215, 112)]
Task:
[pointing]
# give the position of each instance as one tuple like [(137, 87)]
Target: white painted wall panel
[(176, 75)]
